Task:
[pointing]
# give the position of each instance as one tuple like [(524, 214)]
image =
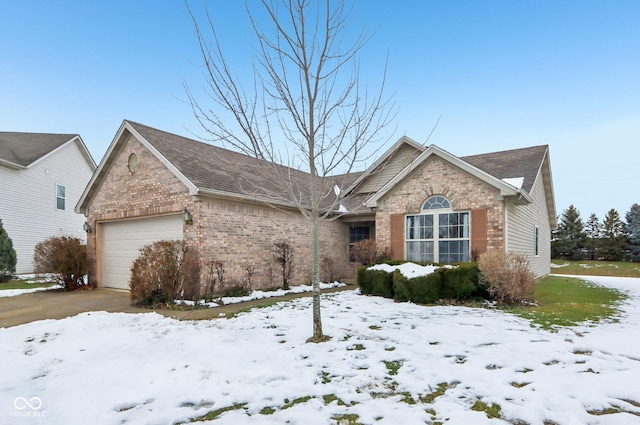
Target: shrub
[(328, 269), (508, 277), (375, 282), (461, 282), (364, 278), (65, 257), (401, 287), (382, 283), (458, 283), (157, 275), (364, 251), (191, 288), (8, 258), (237, 289), (283, 255), (425, 289)]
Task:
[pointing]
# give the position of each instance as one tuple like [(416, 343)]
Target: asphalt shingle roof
[(211, 167), (25, 148), (214, 168), (525, 162)]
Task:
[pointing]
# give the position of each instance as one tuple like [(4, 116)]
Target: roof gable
[(491, 168), (21, 150), (210, 170), (387, 166)]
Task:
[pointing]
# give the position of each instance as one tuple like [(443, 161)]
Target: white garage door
[(122, 240)]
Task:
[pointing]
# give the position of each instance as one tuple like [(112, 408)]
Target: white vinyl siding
[(388, 170), (523, 220), (28, 204), (122, 240)]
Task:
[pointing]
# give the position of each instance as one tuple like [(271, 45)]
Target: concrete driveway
[(43, 305)]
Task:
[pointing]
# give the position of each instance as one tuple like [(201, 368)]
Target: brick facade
[(238, 234), (439, 177), (243, 234)]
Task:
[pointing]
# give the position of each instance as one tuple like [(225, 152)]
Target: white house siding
[(389, 169), (522, 220), (28, 201)]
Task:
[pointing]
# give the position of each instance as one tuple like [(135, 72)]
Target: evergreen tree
[(613, 237), (594, 234), (632, 229), (8, 257), (569, 238)]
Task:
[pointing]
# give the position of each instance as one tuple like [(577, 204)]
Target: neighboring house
[(43, 176), (419, 203)]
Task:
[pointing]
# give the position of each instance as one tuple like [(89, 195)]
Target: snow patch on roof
[(516, 182)]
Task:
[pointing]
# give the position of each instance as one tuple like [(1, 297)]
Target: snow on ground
[(16, 292), (259, 294), (385, 363), (30, 279)]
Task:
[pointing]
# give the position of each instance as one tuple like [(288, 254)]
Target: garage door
[(122, 240)]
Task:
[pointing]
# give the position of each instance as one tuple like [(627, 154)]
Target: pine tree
[(613, 237), (569, 238), (594, 234), (8, 257), (632, 228)]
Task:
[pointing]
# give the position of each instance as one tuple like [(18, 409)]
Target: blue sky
[(498, 74)]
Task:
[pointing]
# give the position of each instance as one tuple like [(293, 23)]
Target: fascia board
[(12, 165)]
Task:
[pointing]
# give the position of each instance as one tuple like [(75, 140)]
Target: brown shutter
[(396, 230), (479, 231)]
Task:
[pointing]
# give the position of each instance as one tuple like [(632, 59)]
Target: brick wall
[(439, 177), (243, 234), (237, 233)]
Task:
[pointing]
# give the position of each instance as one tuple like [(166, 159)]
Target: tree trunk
[(317, 321)]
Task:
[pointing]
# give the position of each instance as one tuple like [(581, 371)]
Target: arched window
[(438, 234), (436, 202)]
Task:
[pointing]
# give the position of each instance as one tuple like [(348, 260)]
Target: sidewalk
[(43, 305)]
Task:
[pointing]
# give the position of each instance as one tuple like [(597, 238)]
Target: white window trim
[(436, 236), (60, 197)]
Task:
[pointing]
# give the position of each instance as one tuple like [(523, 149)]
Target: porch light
[(87, 227), (186, 216)]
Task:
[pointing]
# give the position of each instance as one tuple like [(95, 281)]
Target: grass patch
[(346, 419), (24, 284), (564, 301), (299, 400), (267, 410), (596, 268), (492, 411), (393, 366), (438, 392), (356, 347), (215, 413)]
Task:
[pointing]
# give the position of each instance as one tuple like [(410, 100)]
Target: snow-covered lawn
[(387, 363)]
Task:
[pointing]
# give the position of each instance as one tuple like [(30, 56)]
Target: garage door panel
[(122, 241)]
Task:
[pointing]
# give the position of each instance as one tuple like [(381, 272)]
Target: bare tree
[(305, 109)]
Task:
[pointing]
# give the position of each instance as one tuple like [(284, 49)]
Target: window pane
[(60, 203), (60, 191), (410, 224)]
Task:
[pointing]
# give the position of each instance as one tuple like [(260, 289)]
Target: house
[(419, 203), (43, 176)]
